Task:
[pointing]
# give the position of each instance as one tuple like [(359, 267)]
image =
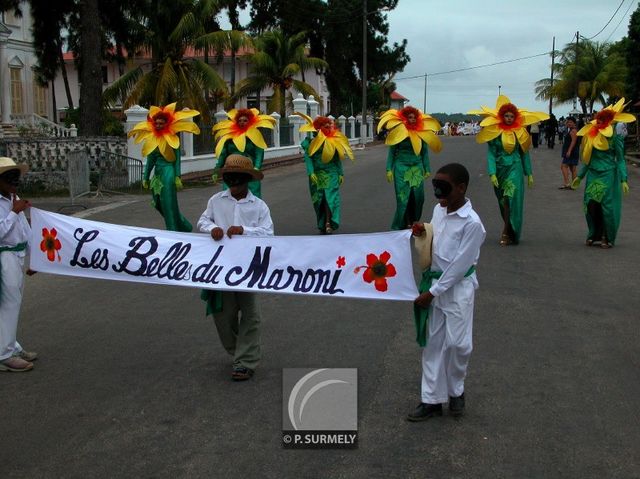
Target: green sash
[(213, 298), (421, 315), (18, 247)]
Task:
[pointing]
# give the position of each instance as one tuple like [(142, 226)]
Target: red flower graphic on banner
[(50, 244), (378, 269), (340, 262)]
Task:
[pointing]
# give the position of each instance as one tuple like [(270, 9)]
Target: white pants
[(10, 301), (446, 355)]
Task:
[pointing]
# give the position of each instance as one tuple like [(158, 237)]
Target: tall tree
[(632, 55), (589, 71), (275, 64), (174, 74)]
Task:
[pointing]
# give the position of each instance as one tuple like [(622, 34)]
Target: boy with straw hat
[(14, 236)]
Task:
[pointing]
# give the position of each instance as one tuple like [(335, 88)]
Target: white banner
[(375, 265)]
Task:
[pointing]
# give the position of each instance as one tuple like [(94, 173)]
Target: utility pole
[(424, 104), (575, 100), (363, 123), (553, 58)]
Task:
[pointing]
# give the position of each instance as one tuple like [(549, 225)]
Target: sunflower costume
[(410, 132), (508, 159), (246, 140), (161, 146), (604, 166), (323, 155)]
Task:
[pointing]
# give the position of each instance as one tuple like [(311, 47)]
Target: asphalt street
[(132, 381)]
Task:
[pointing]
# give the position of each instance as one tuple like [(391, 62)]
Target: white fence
[(283, 141)]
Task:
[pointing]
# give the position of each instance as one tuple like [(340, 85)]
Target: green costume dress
[(510, 169), (163, 189), (328, 186), (250, 151), (605, 173), (408, 178)]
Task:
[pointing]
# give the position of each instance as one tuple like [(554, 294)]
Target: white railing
[(38, 125)]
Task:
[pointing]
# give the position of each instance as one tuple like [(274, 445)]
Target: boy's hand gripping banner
[(375, 265)]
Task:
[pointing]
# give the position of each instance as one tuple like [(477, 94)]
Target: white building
[(20, 95), (111, 72)]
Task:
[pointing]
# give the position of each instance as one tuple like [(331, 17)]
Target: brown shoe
[(28, 355), (15, 364)]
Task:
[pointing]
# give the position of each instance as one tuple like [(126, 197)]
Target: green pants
[(238, 326)]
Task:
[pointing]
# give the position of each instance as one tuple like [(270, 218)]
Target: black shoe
[(424, 411), (456, 405), (241, 374)]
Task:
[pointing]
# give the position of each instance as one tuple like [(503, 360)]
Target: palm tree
[(173, 75), (596, 71), (222, 41), (275, 63)]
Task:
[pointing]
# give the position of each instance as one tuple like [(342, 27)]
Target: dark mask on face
[(235, 179), (12, 177), (441, 188)]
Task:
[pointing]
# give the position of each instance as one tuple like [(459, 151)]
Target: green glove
[(214, 178), (179, 185), (576, 183), (340, 179), (389, 176), (494, 181), (530, 181), (145, 184), (313, 178), (625, 187), (426, 175)]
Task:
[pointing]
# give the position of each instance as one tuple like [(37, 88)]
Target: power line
[(474, 67), (623, 17), (606, 24)]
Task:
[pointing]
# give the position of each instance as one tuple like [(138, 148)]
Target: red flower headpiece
[(509, 108), (604, 118)]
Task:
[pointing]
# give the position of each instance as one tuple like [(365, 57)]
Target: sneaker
[(424, 411), (27, 355), (456, 405), (241, 374), (15, 364)]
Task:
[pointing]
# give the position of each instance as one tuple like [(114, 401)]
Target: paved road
[(132, 381)]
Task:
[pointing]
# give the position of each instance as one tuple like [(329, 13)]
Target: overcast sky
[(449, 35)]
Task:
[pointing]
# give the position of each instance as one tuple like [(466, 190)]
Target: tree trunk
[(90, 69), (63, 70), (54, 103)]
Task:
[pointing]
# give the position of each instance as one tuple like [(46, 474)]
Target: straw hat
[(7, 164), (240, 164), (424, 246)]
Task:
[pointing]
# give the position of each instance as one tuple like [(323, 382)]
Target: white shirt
[(14, 228), (223, 211), (457, 238)]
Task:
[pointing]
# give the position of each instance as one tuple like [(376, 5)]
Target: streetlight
[(499, 88)]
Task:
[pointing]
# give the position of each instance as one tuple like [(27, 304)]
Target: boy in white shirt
[(14, 238), (447, 295), (237, 211)]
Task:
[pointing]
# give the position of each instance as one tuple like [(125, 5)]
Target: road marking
[(100, 209)]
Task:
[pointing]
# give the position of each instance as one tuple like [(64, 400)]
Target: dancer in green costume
[(408, 160), (606, 172), (162, 149), (164, 189), (323, 157), (242, 129), (508, 162)]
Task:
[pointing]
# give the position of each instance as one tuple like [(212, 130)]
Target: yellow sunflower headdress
[(329, 138), (425, 128), (596, 132), (493, 125), (232, 129), (160, 129)]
